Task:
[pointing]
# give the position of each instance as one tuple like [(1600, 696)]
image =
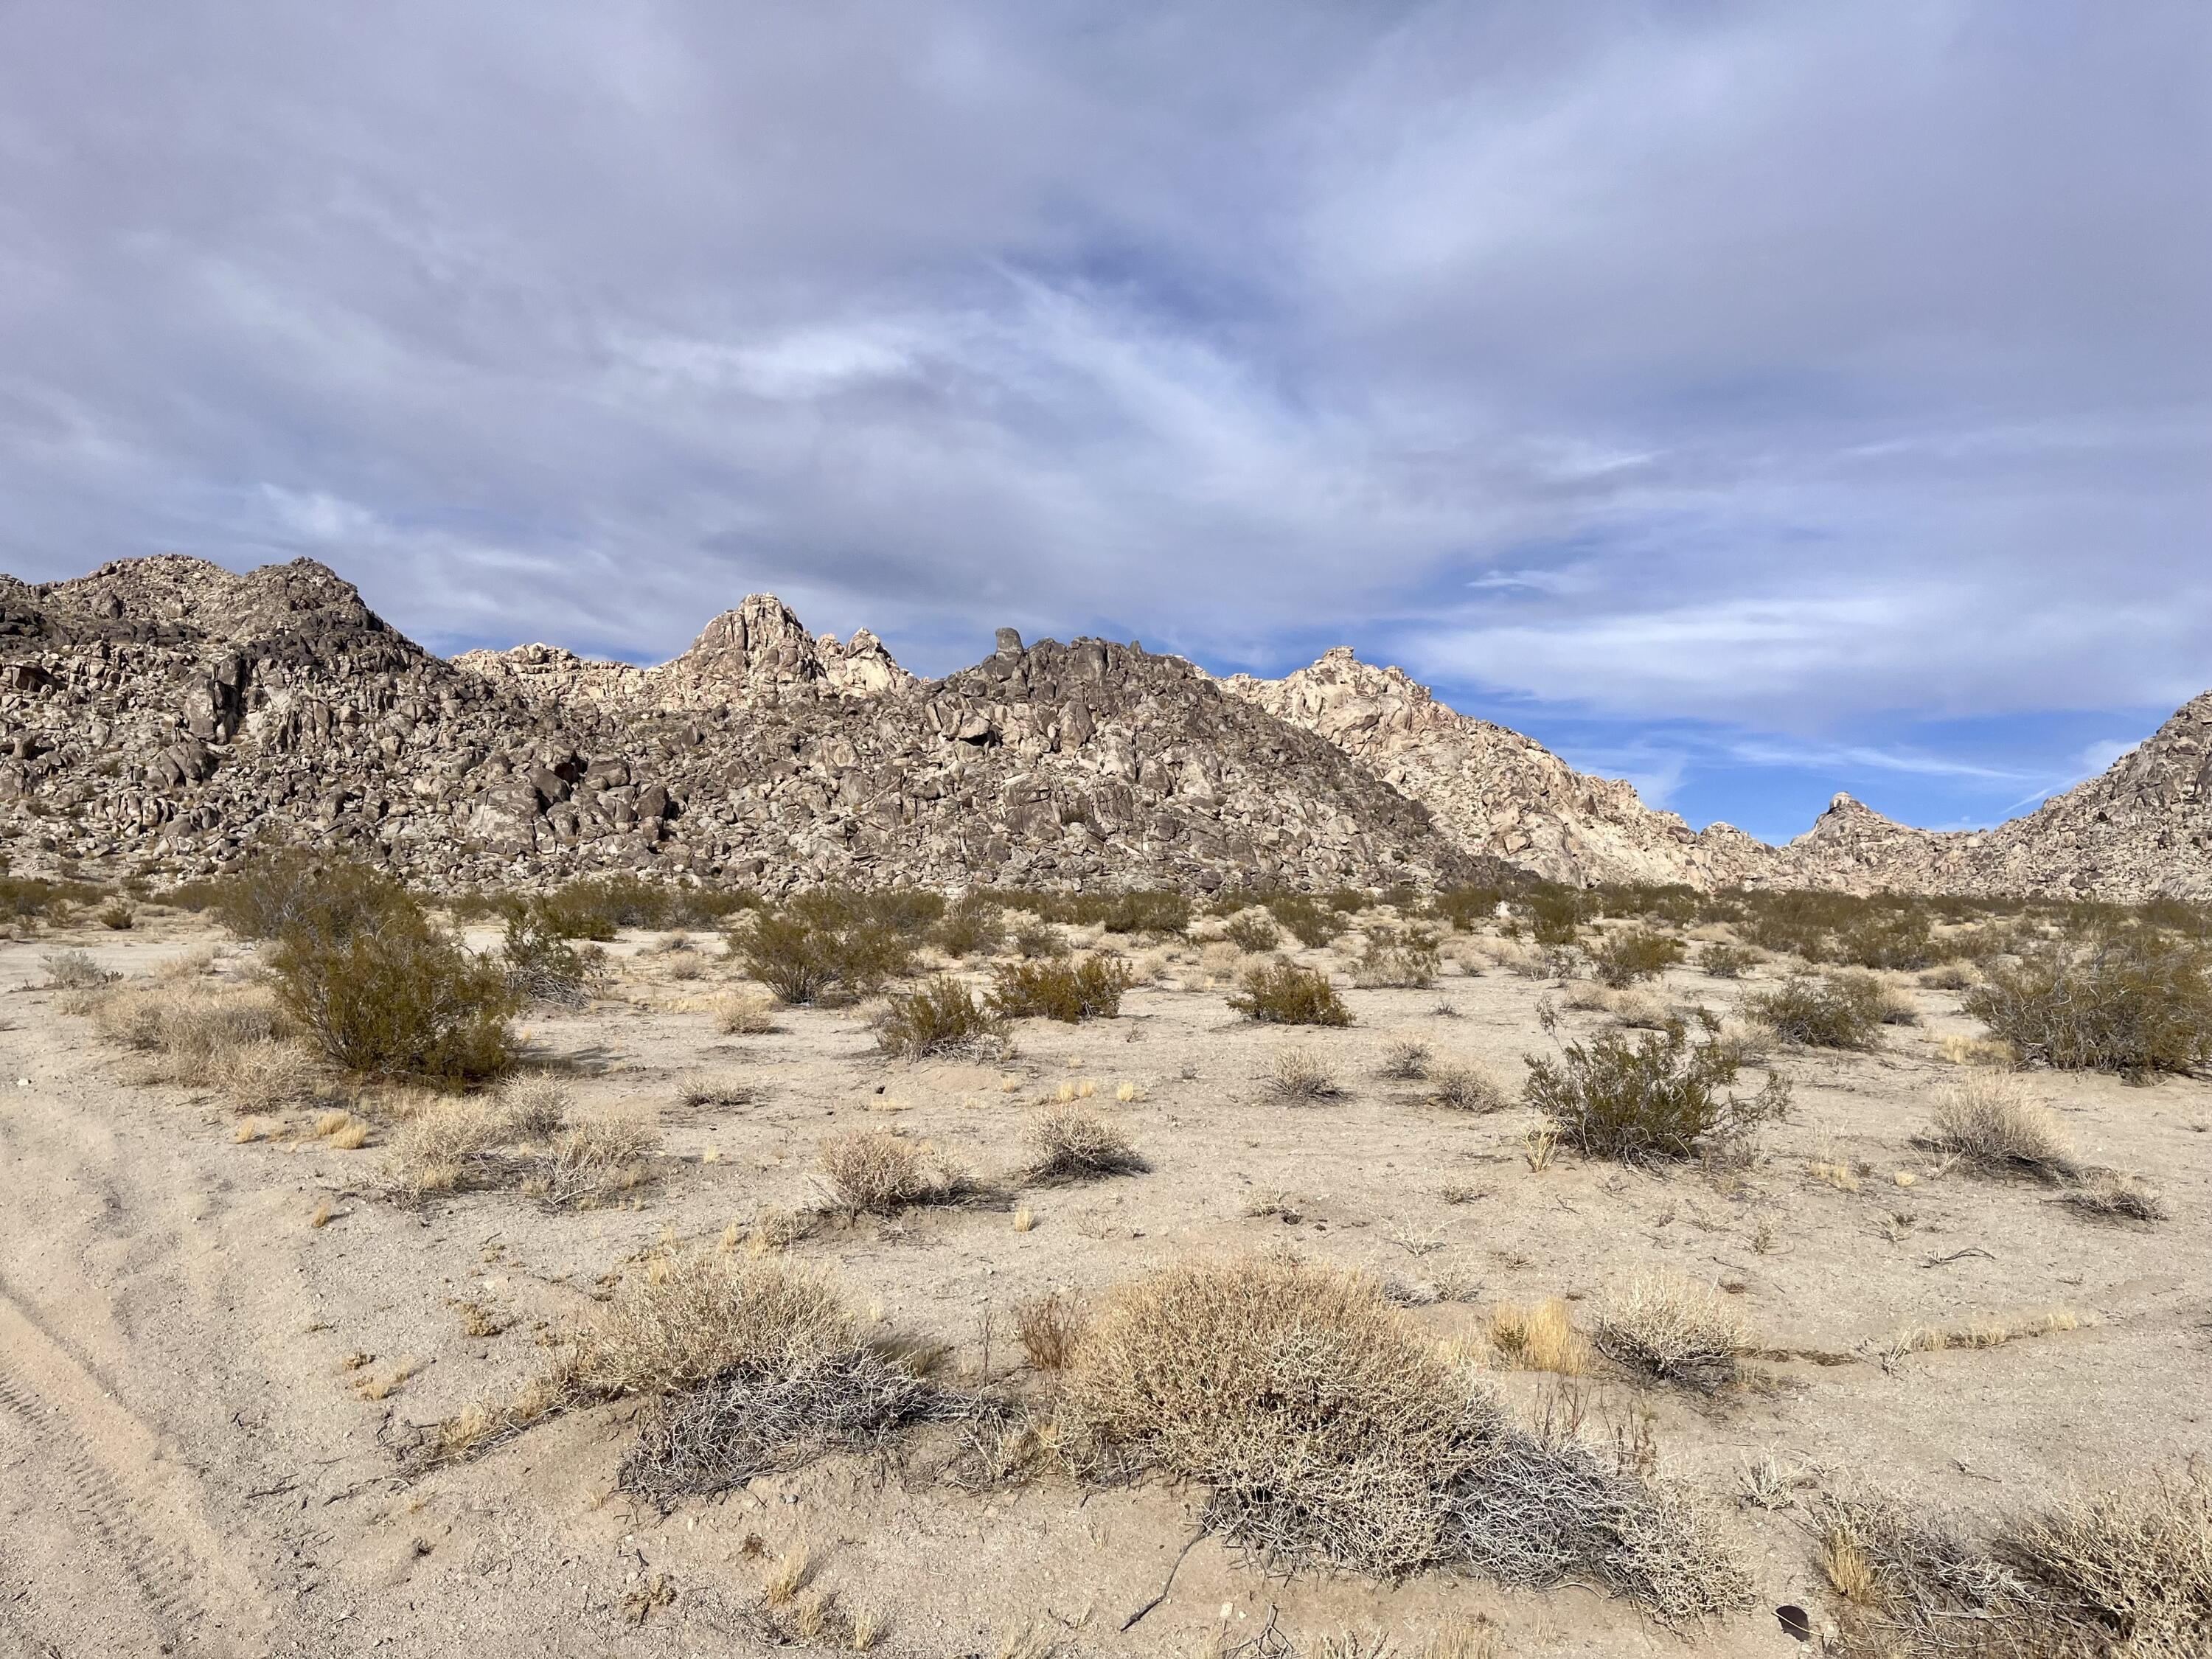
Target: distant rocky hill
[(168, 716)]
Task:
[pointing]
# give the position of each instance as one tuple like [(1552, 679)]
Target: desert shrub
[(298, 893), (117, 917), (544, 966), (1666, 1325), (1835, 1011), (1254, 931), (1556, 914), (1401, 956), (1307, 919), (1459, 1087), (1139, 910), (877, 1172), (1895, 939), (265, 1074), (1068, 1142), (1661, 1096), (2130, 1001), (1630, 954), (2124, 1569), (388, 994), (1987, 1120), (534, 1106), (2109, 1196), (818, 948), (973, 927), (598, 906), (1283, 993), (75, 971), (1300, 1074), (737, 1015), (1326, 1429), (185, 1032), (938, 1016), (33, 898), (1036, 939), (444, 1147), (1089, 989), (595, 1161), (1722, 961), (1950, 976), (1049, 1327), (1405, 1060), (1466, 908)]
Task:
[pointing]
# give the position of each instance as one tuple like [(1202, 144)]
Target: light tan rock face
[(1494, 791), (167, 716), (2142, 829)]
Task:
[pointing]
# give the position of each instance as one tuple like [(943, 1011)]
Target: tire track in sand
[(91, 1468)]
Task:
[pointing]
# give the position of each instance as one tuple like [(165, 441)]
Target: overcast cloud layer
[(1750, 398)]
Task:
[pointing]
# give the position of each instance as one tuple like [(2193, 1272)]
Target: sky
[(1754, 401)]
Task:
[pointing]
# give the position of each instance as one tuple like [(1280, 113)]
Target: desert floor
[(213, 1349)]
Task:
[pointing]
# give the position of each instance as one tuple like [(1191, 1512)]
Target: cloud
[(1781, 367)]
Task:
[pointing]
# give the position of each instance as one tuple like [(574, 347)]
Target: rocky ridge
[(167, 716)]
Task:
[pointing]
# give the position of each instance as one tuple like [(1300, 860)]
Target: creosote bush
[(974, 926), (939, 1017), (1621, 959), (1393, 956), (398, 997), (1721, 960), (1836, 1011), (543, 965), (833, 946), (1327, 1429), (1283, 993), (1254, 931), (2129, 1000), (1069, 1142), (1990, 1122), (1663, 1095), (1089, 989)]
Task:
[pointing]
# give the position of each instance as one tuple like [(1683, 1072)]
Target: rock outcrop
[(166, 716), (1496, 792)]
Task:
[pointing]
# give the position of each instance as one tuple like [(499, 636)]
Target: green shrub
[(1089, 989), (1253, 930), (818, 949), (1405, 957), (1310, 922), (1661, 1095), (1037, 939), (1555, 912), (598, 906), (543, 965), (1729, 961), (1836, 1011), (973, 927), (936, 1017), (1632, 953), (390, 995), (27, 898), (1466, 908), (1141, 910), (1898, 940), (2132, 1001), (1283, 993), (296, 891)]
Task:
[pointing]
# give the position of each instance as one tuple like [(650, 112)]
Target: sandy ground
[(189, 1464)]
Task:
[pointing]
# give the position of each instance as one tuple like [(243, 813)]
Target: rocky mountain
[(167, 716), (1496, 792)]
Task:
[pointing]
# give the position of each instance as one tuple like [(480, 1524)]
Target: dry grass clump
[(187, 1032), (879, 1172), (75, 971), (1989, 1122), (1050, 1327), (535, 1104), (1663, 1095), (1669, 1327), (722, 1089), (1950, 976), (1405, 1060), (2133, 1001), (941, 1016), (1296, 1075), (1404, 958), (439, 1148), (265, 1075), (1541, 1337), (1283, 993), (596, 1161), (1836, 1011), (1459, 1086), (737, 1014), (1979, 1051), (2109, 1196), (1068, 1142), (2122, 1570), (1327, 1428)]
